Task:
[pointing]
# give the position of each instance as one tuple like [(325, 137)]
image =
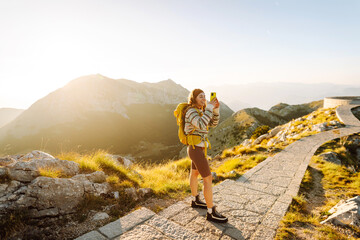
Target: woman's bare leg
[(208, 195), (194, 181)]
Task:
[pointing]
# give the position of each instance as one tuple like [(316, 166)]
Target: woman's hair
[(192, 98)]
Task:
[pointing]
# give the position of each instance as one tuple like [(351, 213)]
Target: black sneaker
[(198, 203), (215, 216)]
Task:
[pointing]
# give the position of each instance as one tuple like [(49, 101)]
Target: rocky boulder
[(54, 195), (5, 161), (100, 216), (321, 127), (274, 131), (45, 196), (26, 168), (331, 157), (96, 177), (122, 160), (246, 142), (271, 142), (260, 138), (34, 155), (346, 212), (137, 194)]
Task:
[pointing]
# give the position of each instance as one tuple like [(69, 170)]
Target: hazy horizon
[(46, 44), (265, 95)]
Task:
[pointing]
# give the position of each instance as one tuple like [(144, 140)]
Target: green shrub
[(260, 131)]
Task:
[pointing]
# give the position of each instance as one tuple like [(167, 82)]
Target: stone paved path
[(254, 203)]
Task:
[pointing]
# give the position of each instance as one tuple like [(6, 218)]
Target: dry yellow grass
[(239, 165), (51, 172), (99, 160), (169, 179)]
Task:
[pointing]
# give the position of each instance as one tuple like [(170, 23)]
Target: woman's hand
[(215, 103)]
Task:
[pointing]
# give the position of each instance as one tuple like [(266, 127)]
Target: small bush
[(260, 131), (298, 204)]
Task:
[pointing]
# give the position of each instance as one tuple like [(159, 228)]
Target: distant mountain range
[(94, 111), (266, 95)]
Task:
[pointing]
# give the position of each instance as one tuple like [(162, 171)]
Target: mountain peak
[(87, 78), (168, 81)]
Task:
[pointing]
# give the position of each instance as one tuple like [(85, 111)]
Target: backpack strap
[(191, 133)]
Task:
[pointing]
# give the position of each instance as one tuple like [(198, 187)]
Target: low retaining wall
[(330, 102)]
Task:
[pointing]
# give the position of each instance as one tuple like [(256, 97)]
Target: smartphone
[(212, 96)]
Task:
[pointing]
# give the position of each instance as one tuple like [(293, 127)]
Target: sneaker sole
[(216, 220), (194, 205)]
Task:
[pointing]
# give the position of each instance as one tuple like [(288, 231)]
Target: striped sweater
[(193, 120)]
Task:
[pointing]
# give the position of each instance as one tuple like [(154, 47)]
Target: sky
[(46, 44)]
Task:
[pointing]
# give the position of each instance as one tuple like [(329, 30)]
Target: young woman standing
[(198, 118)]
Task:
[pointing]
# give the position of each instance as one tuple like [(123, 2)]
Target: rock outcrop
[(293, 129), (46, 196), (27, 169), (346, 212)]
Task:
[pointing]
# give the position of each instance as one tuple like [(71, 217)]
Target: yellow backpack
[(189, 139)]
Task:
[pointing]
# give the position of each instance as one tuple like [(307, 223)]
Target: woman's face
[(200, 99)]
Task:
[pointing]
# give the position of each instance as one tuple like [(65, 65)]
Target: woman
[(199, 116)]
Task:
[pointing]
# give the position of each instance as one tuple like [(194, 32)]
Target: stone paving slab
[(171, 229), (173, 209), (255, 203), (93, 235), (143, 231), (125, 223)]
